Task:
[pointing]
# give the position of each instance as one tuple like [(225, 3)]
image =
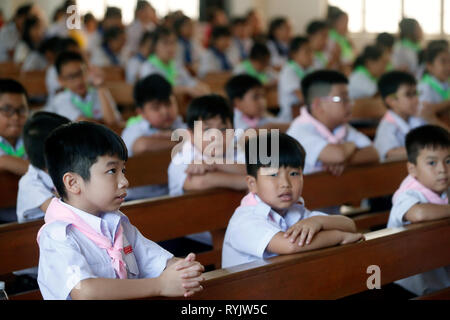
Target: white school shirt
[(183, 77), (93, 40), (134, 34), (34, 61), (21, 52), (35, 187), (133, 67), (429, 281), (99, 58), (209, 62), (62, 105), (314, 143), (390, 136), (239, 122), (196, 52), (19, 144), (251, 228), (51, 81), (276, 59), (235, 52), (403, 56), (9, 38), (428, 94), (288, 83), (361, 86), (67, 256)]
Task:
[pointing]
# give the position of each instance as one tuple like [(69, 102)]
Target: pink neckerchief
[(58, 212), (251, 122), (389, 117), (410, 183), (338, 137)]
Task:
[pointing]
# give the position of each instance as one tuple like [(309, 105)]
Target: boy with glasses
[(322, 127)]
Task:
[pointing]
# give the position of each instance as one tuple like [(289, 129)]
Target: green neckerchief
[(170, 70), (389, 67), (86, 108), (346, 48), (133, 120), (250, 69), (436, 86), (411, 45), (363, 70), (298, 70), (322, 58), (19, 153)]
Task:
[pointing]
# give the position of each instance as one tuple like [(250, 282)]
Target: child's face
[(222, 43), (283, 33), (405, 102), (145, 48), (117, 44), (213, 123), (13, 114), (319, 40), (187, 29), (277, 187), (336, 108), (166, 48), (107, 187), (440, 67), (432, 168), (73, 77), (378, 67), (253, 103), (160, 114), (304, 56)]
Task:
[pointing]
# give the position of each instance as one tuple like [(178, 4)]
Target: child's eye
[(124, 170), (295, 173), (111, 171), (431, 163), (274, 174)]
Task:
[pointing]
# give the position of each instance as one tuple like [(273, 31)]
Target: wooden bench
[(9, 186), (336, 272)]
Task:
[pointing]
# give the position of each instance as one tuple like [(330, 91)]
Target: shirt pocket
[(131, 265)]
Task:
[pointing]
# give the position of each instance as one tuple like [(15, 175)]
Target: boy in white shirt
[(399, 93), (135, 63), (88, 248), (322, 127), (110, 53), (272, 218), (422, 196)]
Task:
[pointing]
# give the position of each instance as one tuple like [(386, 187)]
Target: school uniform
[(21, 52), (279, 53), (405, 53), (241, 121), (35, 187), (314, 137), (336, 39), (320, 60), (432, 90), (392, 130), (176, 74), (58, 29), (362, 84), (93, 40), (133, 67), (246, 67), (252, 227), (72, 106), (134, 34), (177, 176), (9, 39), (410, 193), (68, 256), (34, 61), (289, 81), (240, 49), (51, 81), (188, 52), (212, 60), (103, 57)]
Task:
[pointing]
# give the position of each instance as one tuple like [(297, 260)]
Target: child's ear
[(390, 100), (72, 182), (412, 169), (251, 184)]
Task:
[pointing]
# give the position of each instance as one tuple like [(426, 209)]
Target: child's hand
[(199, 169), (96, 76), (350, 237), (182, 278), (303, 230)]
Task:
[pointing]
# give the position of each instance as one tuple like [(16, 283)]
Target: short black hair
[(35, 131), (320, 78), (433, 51), (52, 44), (370, 53), (238, 21), (207, 107), (259, 51), (11, 86), (88, 17), (385, 40), (427, 136), (290, 152), (179, 22), (23, 10), (219, 32), (274, 25), (112, 12), (239, 85), (316, 26), (407, 27), (151, 88), (146, 36), (76, 146), (333, 15), (296, 44), (112, 33), (66, 57), (390, 82), (30, 23), (160, 33)]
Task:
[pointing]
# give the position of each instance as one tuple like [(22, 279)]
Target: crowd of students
[(73, 170)]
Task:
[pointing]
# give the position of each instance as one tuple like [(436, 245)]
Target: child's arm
[(396, 154), (14, 165), (430, 111), (153, 143), (109, 116), (364, 155), (181, 277), (427, 212), (215, 179), (326, 238), (337, 153)]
